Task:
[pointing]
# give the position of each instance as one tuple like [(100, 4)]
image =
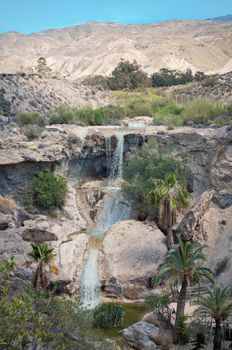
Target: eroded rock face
[(140, 336), (191, 226), (129, 256), (209, 154)]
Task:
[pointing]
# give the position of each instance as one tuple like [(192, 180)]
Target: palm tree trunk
[(169, 239), (40, 279), (180, 306), (218, 335), (182, 298)]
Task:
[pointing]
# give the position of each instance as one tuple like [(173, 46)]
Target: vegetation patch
[(34, 118), (139, 173), (49, 190), (108, 315)]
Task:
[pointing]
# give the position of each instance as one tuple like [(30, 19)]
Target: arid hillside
[(96, 48)]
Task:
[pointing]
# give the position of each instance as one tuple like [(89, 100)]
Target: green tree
[(144, 166), (42, 67), (49, 190), (128, 75), (41, 255), (170, 195), (183, 265), (216, 305)]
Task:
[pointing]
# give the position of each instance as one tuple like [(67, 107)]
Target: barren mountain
[(96, 48)]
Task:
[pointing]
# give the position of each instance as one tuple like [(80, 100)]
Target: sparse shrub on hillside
[(108, 315), (96, 80), (26, 118), (49, 190), (228, 109), (210, 81), (42, 67), (140, 171), (7, 205), (32, 131)]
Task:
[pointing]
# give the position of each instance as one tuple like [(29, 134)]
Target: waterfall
[(90, 284), (117, 160), (108, 153), (114, 209)]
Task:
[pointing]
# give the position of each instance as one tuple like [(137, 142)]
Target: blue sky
[(34, 15)]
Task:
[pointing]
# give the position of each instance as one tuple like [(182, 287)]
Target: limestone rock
[(190, 226), (6, 221), (140, 336), (71, 254), (11, 244), (40, 230), (130, 254)]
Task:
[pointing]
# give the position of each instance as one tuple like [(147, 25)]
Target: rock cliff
[(80, 154)]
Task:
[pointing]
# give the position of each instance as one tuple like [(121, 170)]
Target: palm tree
[(41, 255), (183, 265), (217, 306), (170, 195)]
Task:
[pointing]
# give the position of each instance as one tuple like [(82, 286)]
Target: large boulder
[(71, 254), (140, 336), (130, 255)]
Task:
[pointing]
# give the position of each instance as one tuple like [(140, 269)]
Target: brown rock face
[(130, 254), (190, 228)]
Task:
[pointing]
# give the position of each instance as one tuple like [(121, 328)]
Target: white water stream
[(114, 209)]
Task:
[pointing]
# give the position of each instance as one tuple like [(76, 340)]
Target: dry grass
[(7, 205)]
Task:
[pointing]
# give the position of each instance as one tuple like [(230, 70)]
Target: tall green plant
[(41, 255), (183, 265), (217, 305), (49, 190), (147, 164), (170, 196), (108, 315)]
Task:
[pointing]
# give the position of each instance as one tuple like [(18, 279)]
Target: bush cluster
[(144, 166), (87, 116), (49, 190), (108, 315), (34, 118)]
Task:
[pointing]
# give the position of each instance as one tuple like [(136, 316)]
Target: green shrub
[(26, 118), (32, 131), (144, 166), (87, 116), (108, 315), (201, 111), (128, 75), (49, 190)]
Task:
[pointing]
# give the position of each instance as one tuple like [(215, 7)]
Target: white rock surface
[(130, 255)]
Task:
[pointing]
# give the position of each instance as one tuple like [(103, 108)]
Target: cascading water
[(117, 160), (114, 209)]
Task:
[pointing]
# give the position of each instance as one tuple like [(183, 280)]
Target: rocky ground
[(131, 251), (31, 93), (217, 88)]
